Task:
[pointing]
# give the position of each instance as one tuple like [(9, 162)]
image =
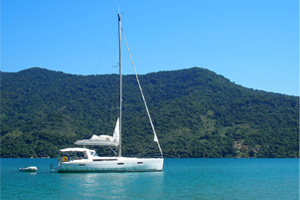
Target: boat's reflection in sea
[(113, 185)]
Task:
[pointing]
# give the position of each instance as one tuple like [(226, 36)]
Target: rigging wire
[(113, 150), (104, 49), (155, 136), (145, 150)]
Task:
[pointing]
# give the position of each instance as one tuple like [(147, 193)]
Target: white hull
[(113, 164), (28, 169)]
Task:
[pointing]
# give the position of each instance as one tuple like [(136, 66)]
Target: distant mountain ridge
[(196, 112)]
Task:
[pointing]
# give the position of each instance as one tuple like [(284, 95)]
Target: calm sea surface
[(181, 179)]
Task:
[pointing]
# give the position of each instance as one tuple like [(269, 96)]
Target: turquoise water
[(181, 179)]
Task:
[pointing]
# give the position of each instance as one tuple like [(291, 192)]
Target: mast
[(120, 66)]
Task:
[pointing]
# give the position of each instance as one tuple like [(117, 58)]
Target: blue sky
[(254, 43)]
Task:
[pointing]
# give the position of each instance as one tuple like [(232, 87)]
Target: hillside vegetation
[(196, 112)]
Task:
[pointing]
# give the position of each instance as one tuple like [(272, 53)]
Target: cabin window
[(120, 163), (78, 155), (93, 154), (139, 162), (81, 165), (70, 156), (105, 159)]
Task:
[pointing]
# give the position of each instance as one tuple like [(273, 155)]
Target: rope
[(113, 151), (104, 49), (145, 150), (155, 137)]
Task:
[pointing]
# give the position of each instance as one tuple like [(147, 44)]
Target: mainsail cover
[(103, 140)]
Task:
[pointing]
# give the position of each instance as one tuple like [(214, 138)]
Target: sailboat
[(87, 160)]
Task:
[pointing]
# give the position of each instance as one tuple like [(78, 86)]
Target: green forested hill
[(196, 112)]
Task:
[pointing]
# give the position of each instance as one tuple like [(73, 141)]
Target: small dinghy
[(28, 169)]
